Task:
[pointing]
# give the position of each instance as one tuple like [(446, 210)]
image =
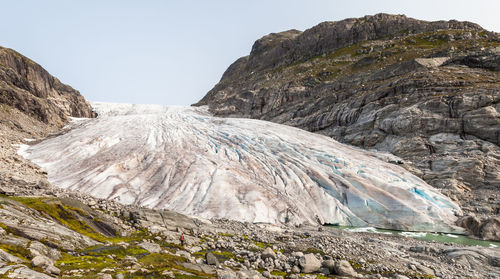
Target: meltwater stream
[(426, 236)]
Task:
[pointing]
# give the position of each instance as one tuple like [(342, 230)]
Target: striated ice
[(184, 159)]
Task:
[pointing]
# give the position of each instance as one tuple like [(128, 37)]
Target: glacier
[(186, 160)]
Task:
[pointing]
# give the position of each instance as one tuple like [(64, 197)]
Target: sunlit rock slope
[(184, 159)]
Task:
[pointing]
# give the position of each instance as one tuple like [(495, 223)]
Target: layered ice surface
[(184, 159)]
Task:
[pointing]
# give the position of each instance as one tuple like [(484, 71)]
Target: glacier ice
[(184, 159)]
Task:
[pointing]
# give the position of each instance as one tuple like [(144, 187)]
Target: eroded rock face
[(28, 87), (427, 92)]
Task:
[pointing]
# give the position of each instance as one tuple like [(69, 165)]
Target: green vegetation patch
[(92, 260), (262, 245), (7, 229), (312, 250), (92, 264), (226, 255), (118, 252), (355, 264), (200, 254), (278, 273), (124, 259), (185, 276), (160, 262), (172, 247)]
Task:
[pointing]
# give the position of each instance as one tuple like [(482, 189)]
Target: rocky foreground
[(427, 92), (59, 234)]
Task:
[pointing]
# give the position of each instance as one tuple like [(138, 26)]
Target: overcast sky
[(173, 52)]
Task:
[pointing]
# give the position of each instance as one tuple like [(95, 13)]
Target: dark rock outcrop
[(428, 92)]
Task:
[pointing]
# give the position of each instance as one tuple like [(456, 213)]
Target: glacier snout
[(186, 160)]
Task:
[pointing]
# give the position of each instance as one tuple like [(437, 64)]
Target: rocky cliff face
[(427, 92), (29, 88)]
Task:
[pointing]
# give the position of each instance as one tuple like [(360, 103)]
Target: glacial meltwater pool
[(427, 236)]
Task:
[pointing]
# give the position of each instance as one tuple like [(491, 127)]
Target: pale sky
[(173, 52)]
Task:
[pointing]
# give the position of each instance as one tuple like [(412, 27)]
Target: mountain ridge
[(290, 46)]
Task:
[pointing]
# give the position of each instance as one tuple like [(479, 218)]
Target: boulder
[(330, 265), (268, 253), (22, 271), (344, 268), (309, 263), (199, 267), (248, 274), (211, 259), (45, 263), (490, 229), (226, 274), (150, 247), (425, 270), (37, 248), (471, 223)]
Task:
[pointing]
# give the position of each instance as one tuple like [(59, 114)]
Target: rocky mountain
[(428, 92), (30, 89), (185, 160)]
